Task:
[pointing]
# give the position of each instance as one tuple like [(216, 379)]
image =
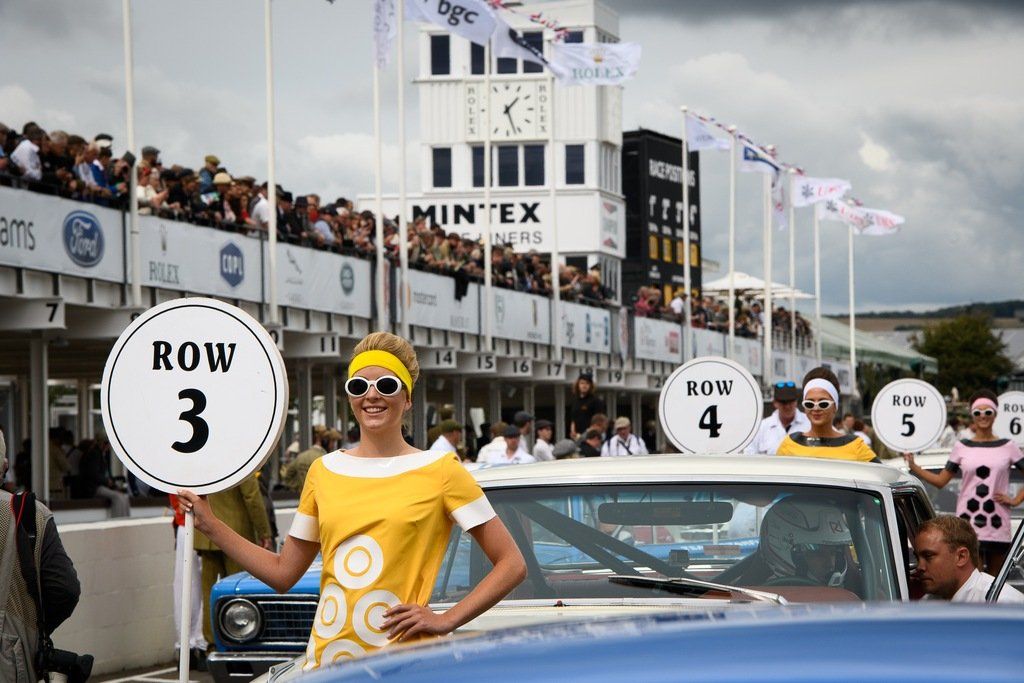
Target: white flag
[(805, 190), (595, 63), (879, 223), (780, 202), (699, 136), (385, 28), (872, 222), (509, 43), (752, 160), (469, 19)]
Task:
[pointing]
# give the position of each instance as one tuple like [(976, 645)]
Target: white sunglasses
[(386, 385)]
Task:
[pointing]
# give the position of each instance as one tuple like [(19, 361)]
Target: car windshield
[(805, 542)]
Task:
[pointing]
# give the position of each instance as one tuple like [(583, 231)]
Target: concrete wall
[(125, 616)]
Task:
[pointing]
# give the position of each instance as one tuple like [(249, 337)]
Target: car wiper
[(684, 585)]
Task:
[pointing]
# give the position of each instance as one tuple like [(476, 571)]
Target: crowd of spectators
[(712, 313), (71, 166)]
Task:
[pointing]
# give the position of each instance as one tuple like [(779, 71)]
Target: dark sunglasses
[(988, 412), (783, 385), (388, 385), (823, 404)]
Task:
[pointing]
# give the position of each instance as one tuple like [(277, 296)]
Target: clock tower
[(525, 104)]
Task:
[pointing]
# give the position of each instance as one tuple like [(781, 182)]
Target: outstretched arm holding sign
[(280, 571)]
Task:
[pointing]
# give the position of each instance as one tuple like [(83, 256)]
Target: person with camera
[(39, 589)]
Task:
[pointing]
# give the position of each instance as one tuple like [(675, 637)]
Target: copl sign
[(232, 264)]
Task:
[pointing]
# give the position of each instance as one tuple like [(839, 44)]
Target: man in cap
[(785, 419), (565, 449), (624, 441), (211, 164), (512, 454), (449, 438), (542, 450), (524, 421)]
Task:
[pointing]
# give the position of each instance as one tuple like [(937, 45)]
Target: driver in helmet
[(805, 542)]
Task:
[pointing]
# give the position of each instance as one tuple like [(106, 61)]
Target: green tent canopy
[(835, 343)]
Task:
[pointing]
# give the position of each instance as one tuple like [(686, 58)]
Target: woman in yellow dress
[(820, 402), (381, 515)]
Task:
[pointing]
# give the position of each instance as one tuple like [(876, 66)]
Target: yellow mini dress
[(382, 525), (845, 447)]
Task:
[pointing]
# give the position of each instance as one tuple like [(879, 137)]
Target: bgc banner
[(521, 317), (658, 340), (60, 236)]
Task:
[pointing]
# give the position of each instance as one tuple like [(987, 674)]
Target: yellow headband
[(382, 359)]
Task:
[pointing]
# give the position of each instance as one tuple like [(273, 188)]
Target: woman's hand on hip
[(402, 622)]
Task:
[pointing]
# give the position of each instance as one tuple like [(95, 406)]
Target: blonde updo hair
[(393, 344)]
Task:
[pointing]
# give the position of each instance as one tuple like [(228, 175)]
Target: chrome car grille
[(287, 621)]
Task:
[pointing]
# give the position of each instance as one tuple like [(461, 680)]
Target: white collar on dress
[(379, 468)]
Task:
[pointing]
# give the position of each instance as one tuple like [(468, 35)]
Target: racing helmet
[(796, 526)]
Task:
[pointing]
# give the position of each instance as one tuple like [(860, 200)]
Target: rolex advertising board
[(652, 175)]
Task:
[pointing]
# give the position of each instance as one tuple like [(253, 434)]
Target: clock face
[(519, 110)]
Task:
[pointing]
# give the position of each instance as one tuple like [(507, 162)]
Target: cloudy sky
[(919, 103)]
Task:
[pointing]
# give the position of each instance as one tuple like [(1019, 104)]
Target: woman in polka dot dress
[(380, 514), (983, 463)]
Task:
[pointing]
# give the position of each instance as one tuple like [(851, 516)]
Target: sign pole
[(853, 336), (485, 234), (185, 623), (792, 278), (556, 293), (129, 108), (687, 281), (403, 227), (379, 290), (732, 244), (817, 286), (268, 57), (767, 328)]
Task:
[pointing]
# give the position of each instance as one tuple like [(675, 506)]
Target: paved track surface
[(166, 673)]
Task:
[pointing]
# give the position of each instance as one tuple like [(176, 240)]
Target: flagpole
[(687, 273), (817, 286), (378, 181), (767, 328), (129, 109), (732, 243), (556, 292), (853, 338), (268, 58), (485, 234), (403, 228), (792, 276)]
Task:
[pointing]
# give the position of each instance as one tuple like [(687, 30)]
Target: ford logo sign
[(232, 264), (348, 279), (83, 238)]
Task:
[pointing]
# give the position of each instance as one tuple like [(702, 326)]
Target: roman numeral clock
[(520, 110)]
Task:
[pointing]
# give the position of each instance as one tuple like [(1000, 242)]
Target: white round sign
[(710, 405), (908, 415), (194, 395), (1009, 422)]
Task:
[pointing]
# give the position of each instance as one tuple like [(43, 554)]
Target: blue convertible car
[(925, 643)]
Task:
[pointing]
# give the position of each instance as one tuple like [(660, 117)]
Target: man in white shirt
[(785, 419), (26, 155), (449, 438), (678, 303), (623, 442), (542, 450), (260, 216), (512, 454), (947, 563)]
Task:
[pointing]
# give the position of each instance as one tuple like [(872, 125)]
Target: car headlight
[(240, 620)]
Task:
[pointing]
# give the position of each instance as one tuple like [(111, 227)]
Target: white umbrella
[(744, 282)]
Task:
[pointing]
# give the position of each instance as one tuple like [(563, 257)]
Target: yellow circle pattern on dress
[(358, 562), (331, 613), (368, 616), (341, 651)]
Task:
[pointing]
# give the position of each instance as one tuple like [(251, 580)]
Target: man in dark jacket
[(57, 580)]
